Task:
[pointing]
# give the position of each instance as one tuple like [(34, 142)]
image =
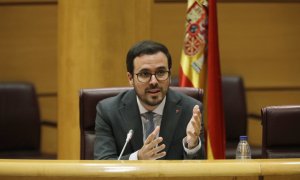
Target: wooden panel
[(254, 132), (28, 45), (168, 26), (28, 52), (259, 41), (48, 105), (93, 46), (49, 140), (32, 2), (257, 100)]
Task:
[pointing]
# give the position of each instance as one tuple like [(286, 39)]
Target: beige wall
[(258, 41)]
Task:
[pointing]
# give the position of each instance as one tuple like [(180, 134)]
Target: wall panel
[(28, 52), (28, 45), (259, 41)]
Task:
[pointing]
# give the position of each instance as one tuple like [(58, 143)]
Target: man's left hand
[(193, 128)]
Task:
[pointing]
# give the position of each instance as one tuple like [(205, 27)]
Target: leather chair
[(88, 100), (281, 133), (20, 124), (235, 112)]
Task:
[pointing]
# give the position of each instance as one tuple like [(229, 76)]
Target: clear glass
[(243, 150)]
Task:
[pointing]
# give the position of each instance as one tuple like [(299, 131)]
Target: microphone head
[(129, 135)]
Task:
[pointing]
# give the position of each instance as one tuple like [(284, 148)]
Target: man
[(166, 124)]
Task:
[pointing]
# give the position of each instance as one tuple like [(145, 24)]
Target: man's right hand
[(151, 150)]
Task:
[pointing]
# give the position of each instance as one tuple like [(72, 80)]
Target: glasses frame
[(137, 76)]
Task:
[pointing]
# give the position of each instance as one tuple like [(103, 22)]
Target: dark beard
[(151, 103), (145, 100)]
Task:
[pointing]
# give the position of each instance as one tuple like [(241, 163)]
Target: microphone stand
[(129, 136)]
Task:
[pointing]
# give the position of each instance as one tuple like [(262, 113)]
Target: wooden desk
[(108, 170)]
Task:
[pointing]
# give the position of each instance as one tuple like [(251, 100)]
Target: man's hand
[(193, 128), (150, 149)]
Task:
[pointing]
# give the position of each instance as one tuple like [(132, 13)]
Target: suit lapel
[(171, 116), (132, 120)]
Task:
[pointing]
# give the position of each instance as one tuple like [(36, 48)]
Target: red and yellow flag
[(200, 67)]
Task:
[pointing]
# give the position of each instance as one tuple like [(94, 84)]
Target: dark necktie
[(150, 123)]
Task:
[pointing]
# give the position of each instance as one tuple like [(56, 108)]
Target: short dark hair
[(146, 47)]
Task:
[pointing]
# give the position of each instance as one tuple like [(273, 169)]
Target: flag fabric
[(200, 67)]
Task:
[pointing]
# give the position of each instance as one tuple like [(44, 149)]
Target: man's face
[(152, 92)]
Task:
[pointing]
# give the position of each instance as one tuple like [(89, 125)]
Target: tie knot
[(149, 115)]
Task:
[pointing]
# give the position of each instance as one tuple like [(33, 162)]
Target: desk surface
[(150, 169)]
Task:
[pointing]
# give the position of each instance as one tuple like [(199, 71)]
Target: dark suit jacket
[(117, 115)]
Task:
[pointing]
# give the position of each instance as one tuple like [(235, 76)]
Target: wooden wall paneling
[(259, 41), (49, 140), (28, 45), (259, 99), (28, 52), (94, 37), (48, 112), (48, 105), (168, 27)]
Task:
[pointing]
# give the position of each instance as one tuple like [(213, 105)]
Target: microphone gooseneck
[(129, 136)]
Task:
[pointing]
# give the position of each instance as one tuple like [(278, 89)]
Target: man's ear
[(130, 78)]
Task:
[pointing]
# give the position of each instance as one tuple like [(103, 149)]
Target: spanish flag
[(200, 67)]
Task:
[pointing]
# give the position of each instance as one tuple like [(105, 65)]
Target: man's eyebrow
[(162, 68), (148, 70), (144, 70)]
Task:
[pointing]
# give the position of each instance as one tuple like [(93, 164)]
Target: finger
[(195, 126), (197, 115), (196, 109), (159, 155), (158, 148), (152, 136), (154, 143), (156, 131), (191, 135), (153, 152)]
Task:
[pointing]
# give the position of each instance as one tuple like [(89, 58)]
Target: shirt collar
[(158, 110)]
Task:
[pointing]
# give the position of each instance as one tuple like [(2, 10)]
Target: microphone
[(129, 136)]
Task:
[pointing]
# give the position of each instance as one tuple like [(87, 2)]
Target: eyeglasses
[(145, 77)]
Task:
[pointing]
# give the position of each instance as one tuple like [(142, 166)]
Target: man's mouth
[(153, 91)]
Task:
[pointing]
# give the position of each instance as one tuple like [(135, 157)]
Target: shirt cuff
[(191, 151), (133, 156)]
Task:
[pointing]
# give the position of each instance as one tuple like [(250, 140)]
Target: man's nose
[(153, 79)]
